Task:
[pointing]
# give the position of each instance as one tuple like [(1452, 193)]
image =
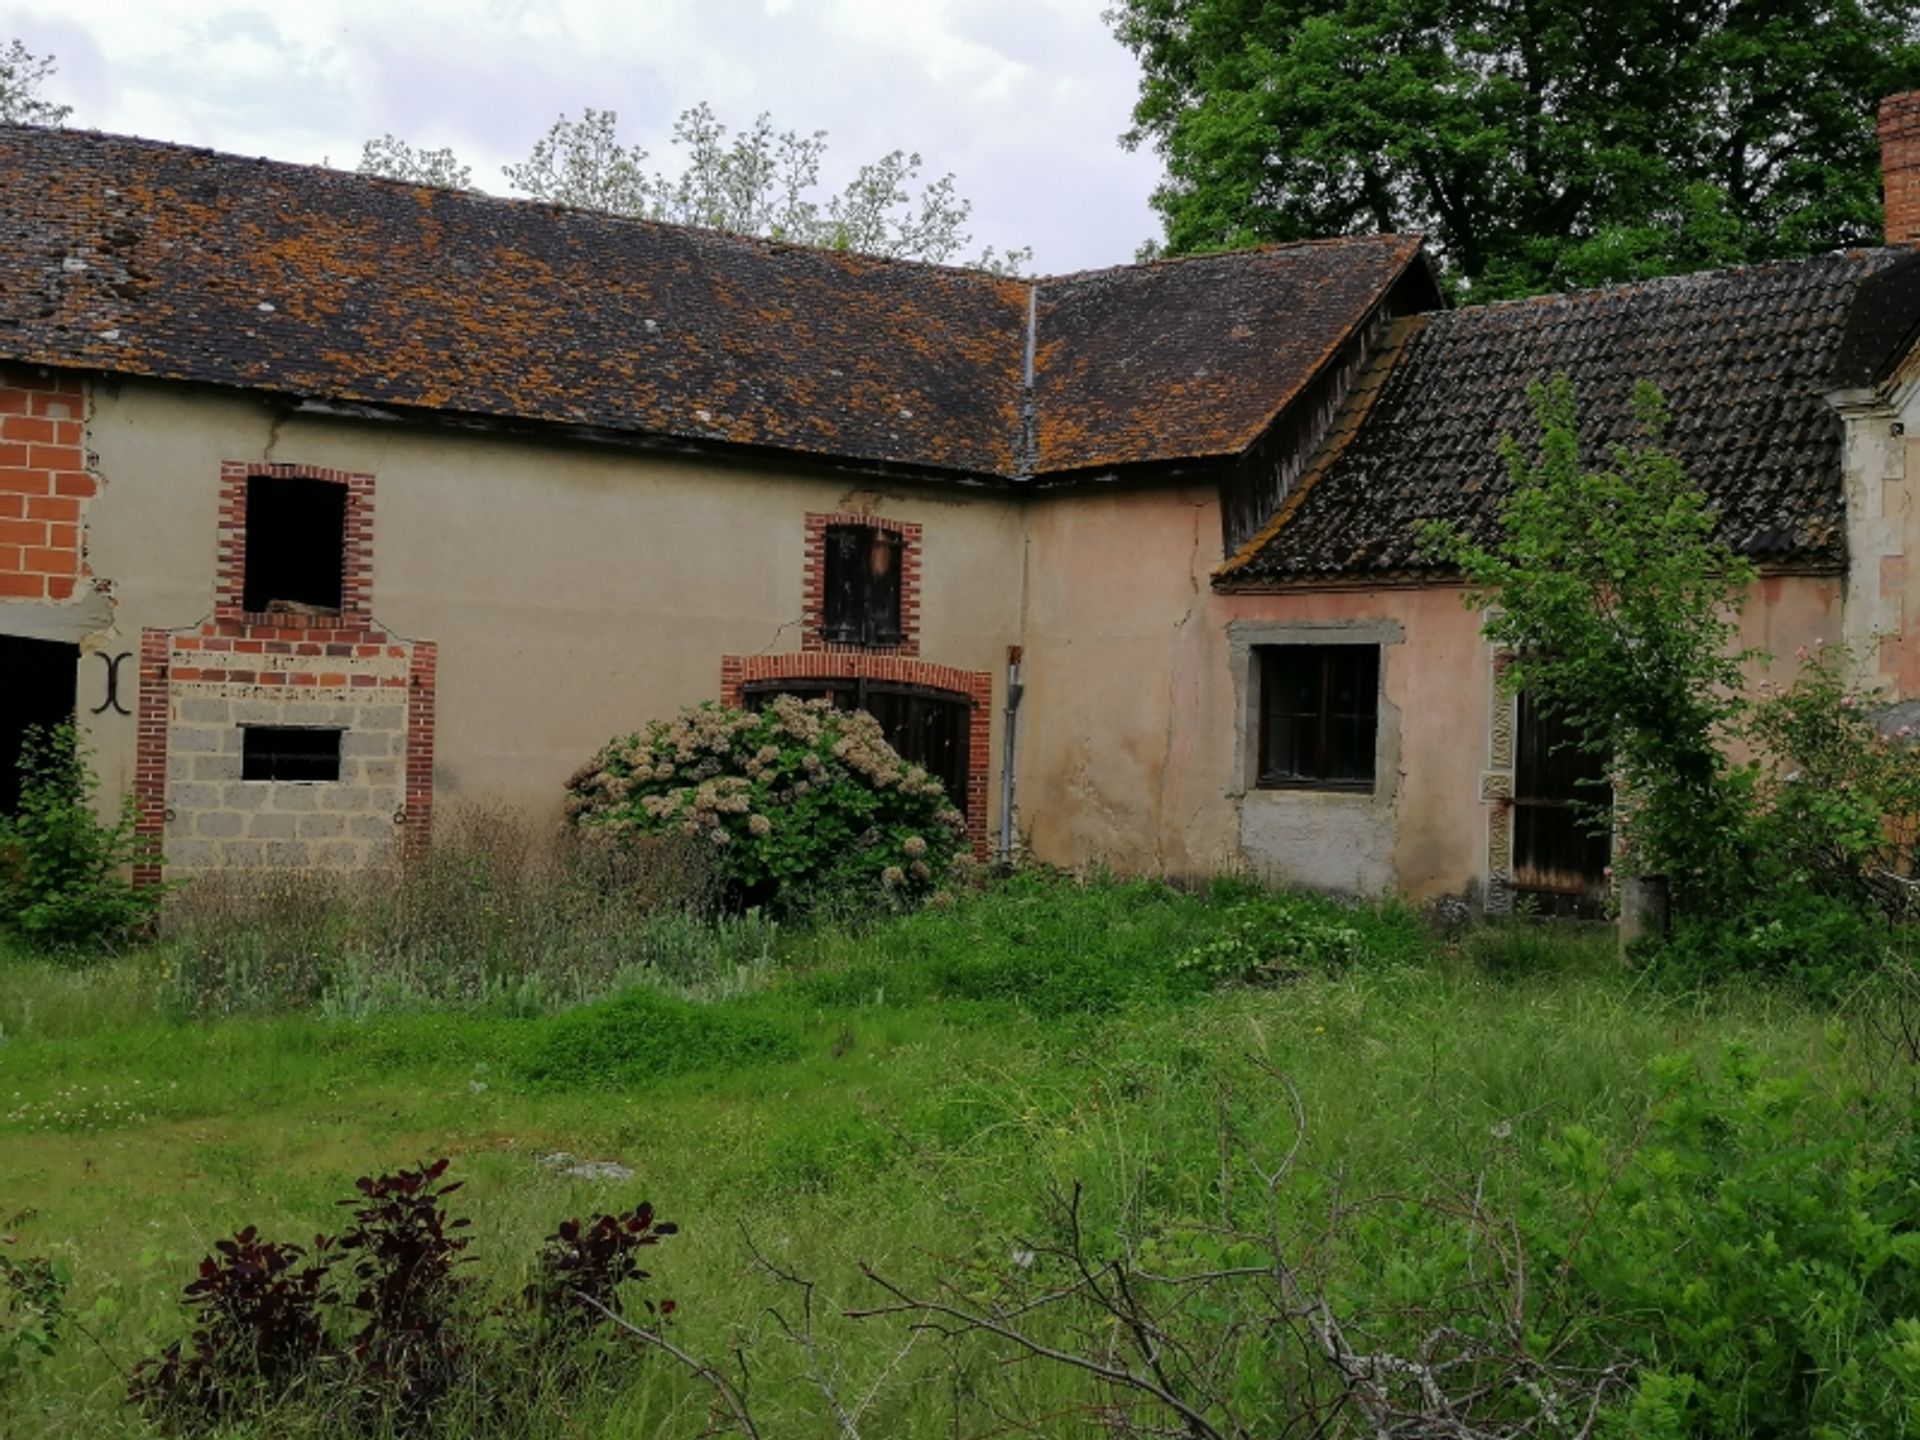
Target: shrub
[(62, 869), (801, 802), (589, 1260), (33, 1311), (644, 1036), (407, 1284), (1841, 798), (260, 1326), (266, 1314)]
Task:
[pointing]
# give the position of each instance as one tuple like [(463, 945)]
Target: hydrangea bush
[(800, 801)]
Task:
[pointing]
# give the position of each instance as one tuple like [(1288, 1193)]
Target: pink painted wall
[(1133, 748)]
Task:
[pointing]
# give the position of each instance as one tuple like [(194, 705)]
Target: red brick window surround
[(356, 568), (814, 585), (975, 687)]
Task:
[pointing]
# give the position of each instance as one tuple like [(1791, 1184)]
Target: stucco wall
[(1136, 738), (575, 592)]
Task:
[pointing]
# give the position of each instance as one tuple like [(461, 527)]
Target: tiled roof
[(1745, 358), (1193, 357), (159, 260)]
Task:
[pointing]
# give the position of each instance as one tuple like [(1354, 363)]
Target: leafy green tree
[(22, 73), (1620, 609), (1541, 144), (757, 181)]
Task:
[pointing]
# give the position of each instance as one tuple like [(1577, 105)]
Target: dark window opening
[(928, 727), (37, 687), (1562, 843), (860, 603), (296, 546), (1319, 713), (275, 752)]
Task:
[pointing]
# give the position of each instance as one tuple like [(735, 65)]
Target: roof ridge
[(1855, 253)]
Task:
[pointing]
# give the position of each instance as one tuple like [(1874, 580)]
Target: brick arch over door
[(973, 688)]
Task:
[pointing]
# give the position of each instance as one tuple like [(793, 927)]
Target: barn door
[(928, 727), (1557, 785)]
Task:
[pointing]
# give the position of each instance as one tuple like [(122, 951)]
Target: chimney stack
[(1900, 166)]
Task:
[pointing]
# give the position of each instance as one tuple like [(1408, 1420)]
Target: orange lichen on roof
[(158, 260)]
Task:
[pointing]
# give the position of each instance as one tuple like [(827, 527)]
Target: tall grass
[(492, 916)]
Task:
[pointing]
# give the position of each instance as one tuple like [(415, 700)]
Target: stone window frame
[(1245, 638), (813, 589)]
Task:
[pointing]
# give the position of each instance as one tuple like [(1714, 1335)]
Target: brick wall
[(814, 584), (200, 688), (1900, 166), (44, 483)]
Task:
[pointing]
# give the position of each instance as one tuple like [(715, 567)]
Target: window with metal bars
[(288, 752), (860, 600), (1319, 716)]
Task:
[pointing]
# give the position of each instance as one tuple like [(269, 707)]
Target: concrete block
[(190, 854), (216, 767), (354, 799), (380, 773), (193, 740), (288, 854), (339, 855), (245, 794), (370, 827), (182, 799), (267, 825), (320, 827), (382, 717), (297, 794), (221, 824), (242, 854), (363, 744), (179, 767), (201, 711)]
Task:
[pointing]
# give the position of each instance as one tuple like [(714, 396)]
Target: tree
[(398, 160), (1620, 609), (1541, 144), (22, 73), (758, 181)]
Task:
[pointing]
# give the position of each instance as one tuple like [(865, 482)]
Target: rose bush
[(801, 802)]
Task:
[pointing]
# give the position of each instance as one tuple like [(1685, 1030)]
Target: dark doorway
[(1560, 854), (37, 679), (928, 727)]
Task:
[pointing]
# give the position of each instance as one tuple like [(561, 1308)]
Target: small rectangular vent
[(277, 752)]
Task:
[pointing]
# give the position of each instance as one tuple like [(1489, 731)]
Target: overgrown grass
[(907, 1095)]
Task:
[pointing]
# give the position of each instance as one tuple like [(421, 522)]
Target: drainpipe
[(1014, 689)]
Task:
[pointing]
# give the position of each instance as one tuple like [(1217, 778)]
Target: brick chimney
[(1900, 166)]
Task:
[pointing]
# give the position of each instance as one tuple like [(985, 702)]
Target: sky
[(1022, 100)]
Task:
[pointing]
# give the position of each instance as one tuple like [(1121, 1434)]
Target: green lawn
[(928, 1082)]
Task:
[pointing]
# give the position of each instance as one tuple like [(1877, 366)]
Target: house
[(332, 501)]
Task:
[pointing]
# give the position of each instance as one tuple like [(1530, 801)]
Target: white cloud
[(1022, 100)]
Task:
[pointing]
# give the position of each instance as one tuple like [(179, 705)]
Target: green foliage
[(1542, 146), (62, 876), (1840, 796), (33, 1310), (643, 1036), (1757, 1256), (1619, 606), (802, 803)]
